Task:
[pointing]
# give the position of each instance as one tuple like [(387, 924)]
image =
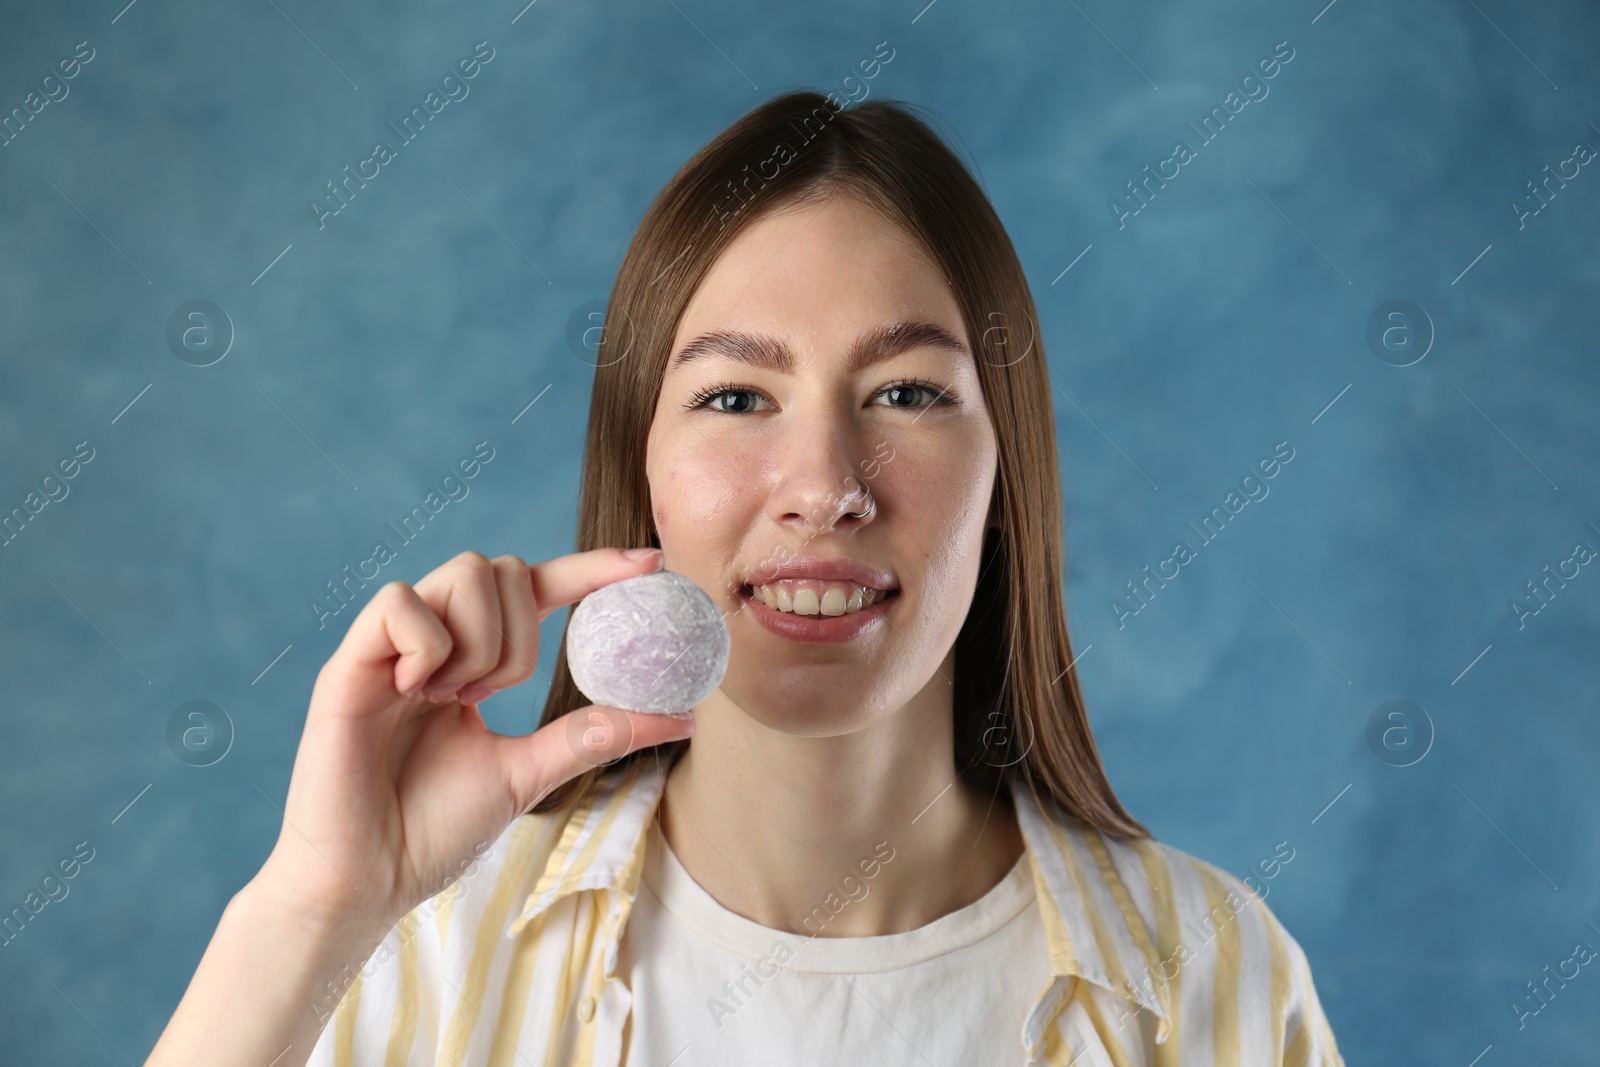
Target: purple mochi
[(656, 643)]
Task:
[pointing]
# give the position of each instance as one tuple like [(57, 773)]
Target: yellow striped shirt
[(1157, 958)]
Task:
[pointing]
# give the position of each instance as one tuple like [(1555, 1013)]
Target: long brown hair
[(1016, 703)]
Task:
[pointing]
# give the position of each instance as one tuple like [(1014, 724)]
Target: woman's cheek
[(950, 474)]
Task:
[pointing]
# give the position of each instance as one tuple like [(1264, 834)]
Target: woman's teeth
[(811, 597)]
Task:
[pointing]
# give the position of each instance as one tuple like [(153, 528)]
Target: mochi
[(655, 643)]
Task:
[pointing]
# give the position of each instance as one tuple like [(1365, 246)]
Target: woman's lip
[(819, 629)]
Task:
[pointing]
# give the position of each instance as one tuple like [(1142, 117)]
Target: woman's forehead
[(819, 276), (838, 237)]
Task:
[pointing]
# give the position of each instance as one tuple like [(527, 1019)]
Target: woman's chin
[(803, 715)]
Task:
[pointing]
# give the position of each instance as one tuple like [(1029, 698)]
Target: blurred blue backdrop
[(1443, 447)]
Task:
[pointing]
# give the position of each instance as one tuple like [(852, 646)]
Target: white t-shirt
[(712, 988)]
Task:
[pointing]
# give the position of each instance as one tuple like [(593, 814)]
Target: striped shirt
[(1156, 957)]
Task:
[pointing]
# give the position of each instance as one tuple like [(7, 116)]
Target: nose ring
[(872, 504)]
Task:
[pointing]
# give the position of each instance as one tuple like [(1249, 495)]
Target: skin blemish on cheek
[(656, 506)]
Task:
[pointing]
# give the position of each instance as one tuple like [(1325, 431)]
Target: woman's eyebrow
[(874, 346)]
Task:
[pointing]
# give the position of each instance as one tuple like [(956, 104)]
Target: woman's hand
[(398, 783)]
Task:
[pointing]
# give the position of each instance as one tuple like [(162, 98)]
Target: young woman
[(822, 396)]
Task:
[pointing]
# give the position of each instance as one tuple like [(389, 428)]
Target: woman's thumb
[(581, 740)]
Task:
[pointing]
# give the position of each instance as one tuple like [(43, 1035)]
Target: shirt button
[(586, 1009)]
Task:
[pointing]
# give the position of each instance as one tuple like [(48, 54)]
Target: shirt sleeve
[(1307, 1039), (375, 1021), (348, 1038)]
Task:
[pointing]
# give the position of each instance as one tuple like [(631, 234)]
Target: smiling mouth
[(748, 595)]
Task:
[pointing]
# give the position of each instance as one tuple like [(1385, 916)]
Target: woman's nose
[(821, 487)]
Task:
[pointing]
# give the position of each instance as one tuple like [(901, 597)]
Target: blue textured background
[(1228, 315)]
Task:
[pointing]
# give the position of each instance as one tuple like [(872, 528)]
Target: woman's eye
[(735, 400), (903, 390), (749, 399)]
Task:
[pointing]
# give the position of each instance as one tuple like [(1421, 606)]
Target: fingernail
[(642, 553), (474, 693)]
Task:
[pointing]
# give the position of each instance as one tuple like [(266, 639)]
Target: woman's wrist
[(346, 939), (283, 900), (320, 952)]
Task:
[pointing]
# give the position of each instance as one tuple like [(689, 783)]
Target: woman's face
[(765, 473)]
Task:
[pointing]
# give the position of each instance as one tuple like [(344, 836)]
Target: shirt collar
[(1092, 928), (602, 841)]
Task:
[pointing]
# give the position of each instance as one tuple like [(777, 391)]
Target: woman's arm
[(396, 777)]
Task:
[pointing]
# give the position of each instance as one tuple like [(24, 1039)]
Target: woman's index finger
[(568, 579)]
